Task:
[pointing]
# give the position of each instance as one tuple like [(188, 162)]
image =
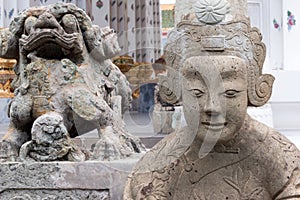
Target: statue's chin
[(216, 137)]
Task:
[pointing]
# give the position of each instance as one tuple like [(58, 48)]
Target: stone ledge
[(59, 180), (88, 143)]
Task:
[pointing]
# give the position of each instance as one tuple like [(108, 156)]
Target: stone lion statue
[(64, 67)]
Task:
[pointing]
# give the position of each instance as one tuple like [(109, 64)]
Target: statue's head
[(216, 61), (48, 128), (102, 43)]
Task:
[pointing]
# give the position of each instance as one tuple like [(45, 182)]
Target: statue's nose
[(213, 106), (46, 20)]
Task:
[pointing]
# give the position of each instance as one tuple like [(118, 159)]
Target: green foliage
[(167, 18)]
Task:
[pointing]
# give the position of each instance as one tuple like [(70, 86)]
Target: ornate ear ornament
[(170, 85), (170, 88), (259, 85), (260, 89), (212, 35)]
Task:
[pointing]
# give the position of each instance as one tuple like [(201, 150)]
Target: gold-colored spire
[(6, 76)]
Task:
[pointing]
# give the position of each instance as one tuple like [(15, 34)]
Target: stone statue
[(66, 85), (182, 7), (215, 61), (50, 141)]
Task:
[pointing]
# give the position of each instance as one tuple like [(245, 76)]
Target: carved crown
[(209, 32)]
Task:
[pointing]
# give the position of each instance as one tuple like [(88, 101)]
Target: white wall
[(276, 35), (10, 10), (285, 46), (291, 39), (285, 103), (258, 12), (282, 61)]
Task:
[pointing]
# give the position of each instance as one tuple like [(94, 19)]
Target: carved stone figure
[(215, 61), (50, 141), (64, 68)]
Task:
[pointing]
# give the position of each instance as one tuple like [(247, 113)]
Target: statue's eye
[(230, 93), (197, 92)]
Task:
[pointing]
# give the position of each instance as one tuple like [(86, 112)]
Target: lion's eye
[(230, 93), (197, 92)]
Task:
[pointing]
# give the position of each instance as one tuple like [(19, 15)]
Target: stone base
[(162, 121), (168, 121), (65, 180)]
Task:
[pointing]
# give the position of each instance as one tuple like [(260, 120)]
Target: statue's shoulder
[(273, 145), (274, 142), (286, 158), (151, 171), (280, 160)]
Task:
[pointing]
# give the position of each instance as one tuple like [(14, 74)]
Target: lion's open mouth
[(51, 44)]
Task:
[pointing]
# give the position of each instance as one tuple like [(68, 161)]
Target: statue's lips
[(37, 39), (214, 126)]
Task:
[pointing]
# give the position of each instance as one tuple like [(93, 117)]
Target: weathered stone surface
[(187, 7), (55, 194), (64, 180), (216, 72), (64, 67), (50, 141)]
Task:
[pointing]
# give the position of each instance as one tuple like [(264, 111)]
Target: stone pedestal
[(162, 121), (166, 121), (65, 180), (3, 110)]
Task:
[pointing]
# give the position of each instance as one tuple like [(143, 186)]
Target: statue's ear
[(90, 36), (170, 87)]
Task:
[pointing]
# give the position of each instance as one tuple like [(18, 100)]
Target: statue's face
[(110, 42), (214, 96)]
